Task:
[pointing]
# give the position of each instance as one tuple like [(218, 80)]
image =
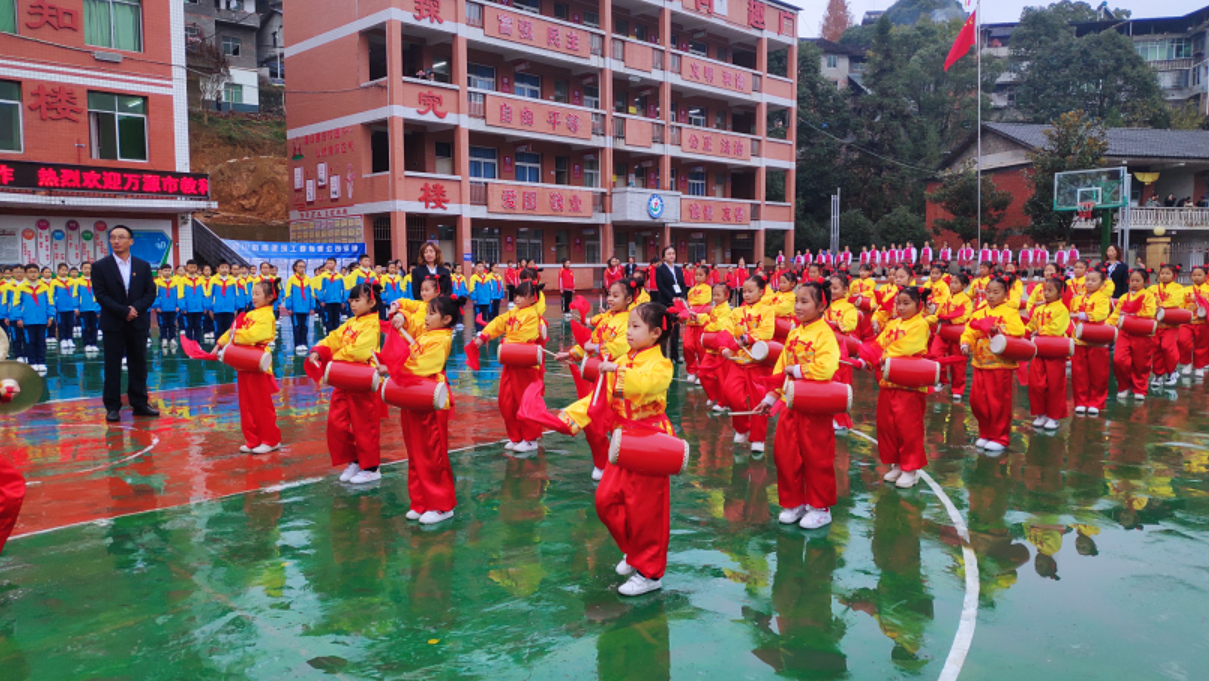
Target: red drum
[(951, 332), (1137, 326), (864, 303), (1013, 349), (784, 326), (648, 452), (353, 377), (590, 368), (774, 353), (1054, 347), (761, 350), (850, 346), (1096, 334), (425, 396), (714, 340), (818, 397), (911, 372), (246, 358), (1174, 316), (520, 355)]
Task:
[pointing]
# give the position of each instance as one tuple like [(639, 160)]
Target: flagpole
[(978, 98)]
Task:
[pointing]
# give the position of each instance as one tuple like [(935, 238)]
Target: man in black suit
[(630, 267), (125, 290), (669, 280)]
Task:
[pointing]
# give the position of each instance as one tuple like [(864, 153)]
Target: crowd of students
[(40, 306)]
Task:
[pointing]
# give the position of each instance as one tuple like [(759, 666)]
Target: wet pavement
[(156, 551)]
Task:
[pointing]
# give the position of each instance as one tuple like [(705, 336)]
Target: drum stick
[(754, 412)]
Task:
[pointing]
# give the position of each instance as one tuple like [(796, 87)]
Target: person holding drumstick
[(900, 410), (753, 321), (1194, 337), (711, 370), (1090, 366), (992, 392), (1047, 375), (1133, 353), (257, 413), (521, 324), (804, 445)]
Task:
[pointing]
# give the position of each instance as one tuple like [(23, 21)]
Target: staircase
[(209, 248)]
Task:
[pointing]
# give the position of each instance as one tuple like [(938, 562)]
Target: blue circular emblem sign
[(654, 206)]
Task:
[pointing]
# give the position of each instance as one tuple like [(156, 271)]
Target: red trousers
[(991, 401), (1089, 376), (712, 370), (1131, 362), (804, 449), (843, 375), (636, 510), (513, 381), (1047, 388), (1166, 353), (257, 414), (598, 444), (742, 392), (692, 348), (353, 429), (429, 475), (12, 493), (1194, 345), (900, 428), (952, 374)]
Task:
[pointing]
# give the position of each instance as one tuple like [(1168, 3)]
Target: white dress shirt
[(124, 270)]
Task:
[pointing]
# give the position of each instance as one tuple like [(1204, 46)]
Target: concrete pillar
[(606, 102), (394, 95), (461, 151), (758, 248), (606, 242)]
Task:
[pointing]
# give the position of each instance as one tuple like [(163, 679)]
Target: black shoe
[(113, 416), (146, 410)]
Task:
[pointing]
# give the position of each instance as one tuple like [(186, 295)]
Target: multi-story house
[(233, 25), (544, 129), (94, 131)]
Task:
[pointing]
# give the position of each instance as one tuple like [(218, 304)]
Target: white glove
[(770, 399), (795, 370), (1082, 316)]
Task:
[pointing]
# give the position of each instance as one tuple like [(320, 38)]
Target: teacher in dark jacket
[(669, 280), (1118, 271), (428, 264), (125, 290)]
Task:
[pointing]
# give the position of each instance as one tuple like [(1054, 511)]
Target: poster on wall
[(88, 244), (152, 246), (334, 189), (298, 178), (321, 173), (69, 240), (310, 191), (42, 230), (58, 247), (75, 248), (10, 245)]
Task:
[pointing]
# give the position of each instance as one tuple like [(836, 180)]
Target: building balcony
[(637, 133), (718, 213), (1170, 64), (431, 101), (535, 118), (535, 34), (708, 144), (1169, 218), (633, 204), (537, 201), (634, 55), (713, 77)]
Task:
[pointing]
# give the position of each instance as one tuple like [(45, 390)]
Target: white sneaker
[(1079, 411), (1051, 424), (349, 472), (757, 447), (1139, 396), (691, 378), (740, 438), (1092, 411), (624, 569), (1186, 369), (413, 515), (906, 480), (511, 445), (41, 369), (639, 585), (1156, 382), (1199, 373), (1173, 378), (894, 473), (1123, 395), (265, 449), (597, 473), (172, 344), (818, 517), (957, 398), (719, 408), (525, 446), (163, 344), (710, 404), (790, 516), (434, 517), (22, 360), (244, 449), (992, 446), (363, 477), (981, 443), (1039, 422)]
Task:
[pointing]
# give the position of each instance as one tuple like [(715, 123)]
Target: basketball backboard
[(1105, 187)]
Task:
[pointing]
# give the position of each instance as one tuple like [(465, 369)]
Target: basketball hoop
[(1085, 209)]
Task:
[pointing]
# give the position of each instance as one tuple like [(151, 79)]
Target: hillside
[(245, 157)]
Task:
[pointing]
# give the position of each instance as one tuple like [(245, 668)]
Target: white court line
[(154, 441), (969, 607)]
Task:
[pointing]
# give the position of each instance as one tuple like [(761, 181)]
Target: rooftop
[(1188, 145)]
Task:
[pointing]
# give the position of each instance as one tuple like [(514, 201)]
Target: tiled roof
[(1122, 142)]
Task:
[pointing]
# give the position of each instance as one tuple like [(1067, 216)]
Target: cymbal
[(32, 386)]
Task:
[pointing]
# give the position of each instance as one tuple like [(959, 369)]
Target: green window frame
[(117, 24), (117, 126), (232, 93), (10, 116), (8, 16)]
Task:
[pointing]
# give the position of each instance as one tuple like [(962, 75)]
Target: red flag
[(965, 40), (533, 408), (193, 350), (472, 356), (581, 333)]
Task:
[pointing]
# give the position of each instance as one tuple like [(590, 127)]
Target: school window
[(720, 119), (561, 172), (480, 77), (528, 85), (114, 23), (10, 116), (528, 167), (483, 163), (723, 54), (117, 126), (832, 61), (619, 174), (529, 245), (561, 11), (485, 244), (591, 245), (444, 154), (231, 46), (621, 27), (529, 5), (192, 33), (379, 150), (698, 48), (640, 32), (592, 173), (561, 252), (619, 100), (696, 116), (232, 93), (560, 91), (592, 19), (8, 16), (696, 183), (592, 97)]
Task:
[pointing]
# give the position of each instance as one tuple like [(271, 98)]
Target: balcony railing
[(657, 133), (657, 59), (1170, 64), (674, 140), (478, 193), (675, 63), (619, 129), (597, 44), (477, 103), (474, 16), (1170, 218)]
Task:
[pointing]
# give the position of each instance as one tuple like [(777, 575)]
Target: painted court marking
[(154, 441), (969, 608)]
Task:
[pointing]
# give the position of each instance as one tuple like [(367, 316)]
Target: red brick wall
[(1014, 180)]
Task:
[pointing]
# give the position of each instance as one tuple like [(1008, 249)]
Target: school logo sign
[(654, 206)]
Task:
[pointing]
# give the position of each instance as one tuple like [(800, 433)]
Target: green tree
[(1100, 73), (1074, 142), (824, 123), (856, 230), (900, 226), (958, 195)]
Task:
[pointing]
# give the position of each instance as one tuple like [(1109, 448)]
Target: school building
[(543, 129), (94, 130)]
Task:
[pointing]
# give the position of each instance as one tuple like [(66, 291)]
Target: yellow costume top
[(885, 297), (956, 310), (414, 312), (429, 352), (609, 334), (638, 389), (1097, 306), (1005, 315), (1078, 285), (1190, 299), (700, 294), (756, 322), (843, 315), (1146, 311), (356, 340), (813, 349), (519, 325), (1168, 295), (903, 338), (940, 292), (256, 328), (1050, 319), (782, 303)]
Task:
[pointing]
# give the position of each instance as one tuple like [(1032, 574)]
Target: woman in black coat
[(429, 264), (1118, 271)]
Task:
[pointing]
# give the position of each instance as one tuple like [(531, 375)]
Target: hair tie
[(664, 322)]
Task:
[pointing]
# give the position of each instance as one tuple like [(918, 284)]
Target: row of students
[(36, 306)]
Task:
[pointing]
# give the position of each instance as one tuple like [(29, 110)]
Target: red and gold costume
[(354, 418), (844, 319), (698, 296), (609, 335), (863, 288), (743, 388), (257, 415), (804, 444), (1090, 366), (1166, 339), (430, 485), (1132, 355), (1047, 375), (519, 325), (955, 310), (711, 369), (991, 395), (1194, 337), (900, 410)]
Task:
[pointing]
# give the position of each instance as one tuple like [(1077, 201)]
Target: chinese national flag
[(965, 40)]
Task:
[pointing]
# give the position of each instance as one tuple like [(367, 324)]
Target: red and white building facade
[(543, 130), (94, 129)]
